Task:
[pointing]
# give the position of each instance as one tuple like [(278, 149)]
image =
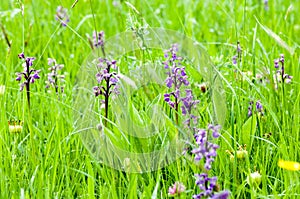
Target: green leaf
[(248, 130), (219, 102)]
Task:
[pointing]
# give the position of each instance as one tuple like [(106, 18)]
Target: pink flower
[(176, 189)]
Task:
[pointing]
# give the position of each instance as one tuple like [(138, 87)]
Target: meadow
[(212, 86)]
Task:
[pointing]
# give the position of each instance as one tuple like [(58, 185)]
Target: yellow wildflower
[(289, 165)]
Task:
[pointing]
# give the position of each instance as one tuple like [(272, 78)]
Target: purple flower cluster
[(238, 56), (54, 79), (98, 39), (62, 16), (188, 102), (30, 75), (283, 77), (188, 105), (258, 106), (107, 74), (208, 187), (176, 78), (207, 150)]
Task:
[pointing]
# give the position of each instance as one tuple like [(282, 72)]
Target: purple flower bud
[(222, 195), (281, 59), (105, 71), (99, 77), (183, 72), (259, 106), (177, 93), (50, 79), (215, 134), (172, 104), (184, 111), (167, 97), (116, 89), (113, 64), (31, 80), (22, 86), (174, 56), (249, 114), (189, 93), (207, 166), (36, 74), (287, 81), (29, 60), (51, 61), (234, 59), (166, 55), (97, 91), (114, 80), (19, 77), (276, 63), (169, 82), (166, 64), (21, 56)]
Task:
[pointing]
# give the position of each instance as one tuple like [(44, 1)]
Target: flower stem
[(28, 94), (27, 85), (106, 100), (176, 111)]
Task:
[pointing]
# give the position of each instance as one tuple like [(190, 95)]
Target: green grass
[(48, 158)]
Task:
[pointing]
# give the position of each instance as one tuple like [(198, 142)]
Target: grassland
[(48, 159)]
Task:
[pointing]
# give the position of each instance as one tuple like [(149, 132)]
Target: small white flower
[(254, 179)]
